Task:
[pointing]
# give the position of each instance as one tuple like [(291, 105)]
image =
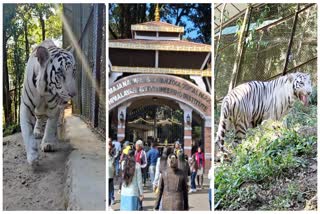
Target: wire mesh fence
[(266, 45), (87, 22)]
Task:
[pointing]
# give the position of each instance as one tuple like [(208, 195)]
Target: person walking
[(111, 171), (117, 146), (177, 148), (152, 157), (193, 170), (194, 147), (124, 154), (200, 165), (183, 165), (160, 168), (210, 177), (173, 187), (141, 158), (132, 190)]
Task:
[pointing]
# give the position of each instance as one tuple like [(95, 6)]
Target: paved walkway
[(86, 167), (198, 201)]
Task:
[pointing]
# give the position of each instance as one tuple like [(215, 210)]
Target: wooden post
[(284, 72), (240, 48)]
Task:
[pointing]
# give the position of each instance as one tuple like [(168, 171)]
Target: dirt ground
[(28, 189)]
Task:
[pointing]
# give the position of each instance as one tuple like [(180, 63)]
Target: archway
[(144, 88)]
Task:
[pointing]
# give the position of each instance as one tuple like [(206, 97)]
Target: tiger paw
[(47, 147), (33, 157)]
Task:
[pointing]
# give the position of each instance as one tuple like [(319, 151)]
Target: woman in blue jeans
[(193, 169)]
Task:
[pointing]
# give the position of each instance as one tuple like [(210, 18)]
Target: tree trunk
[(6, 92), (121, 21), (43, 27), (26, 40), (16, 85)]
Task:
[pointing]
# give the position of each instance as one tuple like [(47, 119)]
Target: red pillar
[(187, 140), (207, 147)]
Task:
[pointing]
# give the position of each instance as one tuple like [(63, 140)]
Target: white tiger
[(248, 104), (49, 83)]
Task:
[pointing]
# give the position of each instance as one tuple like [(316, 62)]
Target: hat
[(177, 142), (126, 143), (139, 142)]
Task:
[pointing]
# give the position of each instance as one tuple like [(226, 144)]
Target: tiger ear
[(291, 77), (43, 55), (71, 49)]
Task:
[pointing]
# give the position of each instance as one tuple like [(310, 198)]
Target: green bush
[(269, 151), (11, 129)]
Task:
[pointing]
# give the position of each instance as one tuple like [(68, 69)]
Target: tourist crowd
[(168, 171)]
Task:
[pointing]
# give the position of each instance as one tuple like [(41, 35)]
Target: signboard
[(166, 86)]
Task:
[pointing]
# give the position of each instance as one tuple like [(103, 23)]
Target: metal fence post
[(240, 48), (291, 40), (97, 34)]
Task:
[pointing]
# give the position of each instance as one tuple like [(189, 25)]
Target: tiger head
[(301, 86), (58, 73)]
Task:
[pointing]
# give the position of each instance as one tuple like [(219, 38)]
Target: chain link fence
[(266, 44), (87, 22)]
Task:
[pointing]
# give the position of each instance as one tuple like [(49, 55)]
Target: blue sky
[(189, 24)]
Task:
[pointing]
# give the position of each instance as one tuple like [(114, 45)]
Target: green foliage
[(300, 116), (24, 27), (11, 129), (265, 48), (269, 152), (313, 96), (196, 18)]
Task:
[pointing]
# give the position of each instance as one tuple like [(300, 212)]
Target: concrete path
[(198, 201), (86, 174)]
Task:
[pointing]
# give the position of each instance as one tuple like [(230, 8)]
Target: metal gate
[(87, 22)]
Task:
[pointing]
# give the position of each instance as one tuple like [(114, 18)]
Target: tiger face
[(58, 73), (302, 87), (63, 71)]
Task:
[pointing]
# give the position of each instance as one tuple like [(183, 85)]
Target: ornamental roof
[(157, 26), (162, 45)]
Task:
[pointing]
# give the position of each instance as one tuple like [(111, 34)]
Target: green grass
[(11, 129), (271, 151)]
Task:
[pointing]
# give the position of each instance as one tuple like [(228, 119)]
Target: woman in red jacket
[(200, 163)]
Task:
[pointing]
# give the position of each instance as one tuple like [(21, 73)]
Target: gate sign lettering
[(171, 87)]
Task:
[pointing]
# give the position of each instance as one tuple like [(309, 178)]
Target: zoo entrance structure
[(159, 87)]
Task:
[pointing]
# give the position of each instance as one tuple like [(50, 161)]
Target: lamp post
[(188, 119), (121, 118)]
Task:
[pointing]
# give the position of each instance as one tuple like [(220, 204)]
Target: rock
[(311, 204), (308, 131), (243, 209)]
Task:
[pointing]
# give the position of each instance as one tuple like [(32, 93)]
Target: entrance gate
[(136, 89)]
